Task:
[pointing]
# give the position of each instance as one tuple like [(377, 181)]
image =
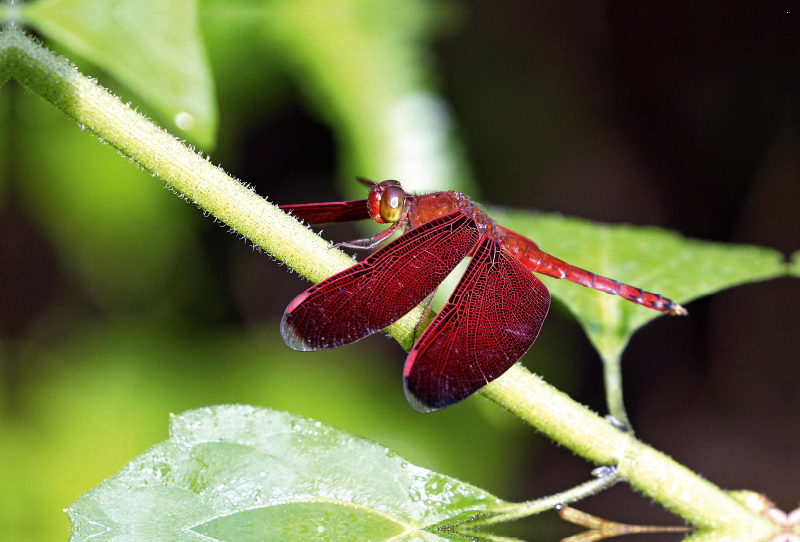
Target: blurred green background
[(661, 113)]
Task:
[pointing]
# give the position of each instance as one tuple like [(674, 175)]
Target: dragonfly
[(489, 321)]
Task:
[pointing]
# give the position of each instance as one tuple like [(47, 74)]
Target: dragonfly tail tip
[(677, 310)]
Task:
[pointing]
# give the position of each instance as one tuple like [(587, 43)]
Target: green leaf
[(654, 259), (152, 46), (239, 473)]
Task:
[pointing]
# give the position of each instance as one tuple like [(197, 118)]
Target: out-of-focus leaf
[(153, 46), (651, 258), (366, 65), (237, 473), (794, 266), (115, 226)]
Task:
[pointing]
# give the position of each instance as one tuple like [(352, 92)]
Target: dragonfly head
[(386, 202)]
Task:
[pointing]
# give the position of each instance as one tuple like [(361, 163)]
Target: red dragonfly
[(492, 317)]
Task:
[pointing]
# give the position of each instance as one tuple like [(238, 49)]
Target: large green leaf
[(651, 258), (238, 473), (153, 46)]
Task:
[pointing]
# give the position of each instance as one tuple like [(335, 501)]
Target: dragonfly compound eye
[(393, 202)]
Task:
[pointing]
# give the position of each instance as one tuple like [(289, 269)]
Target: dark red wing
[(371, 295), (326, 213), (490, 321)]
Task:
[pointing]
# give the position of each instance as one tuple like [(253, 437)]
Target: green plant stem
[(612, 375), (197, 180), (536, 506)]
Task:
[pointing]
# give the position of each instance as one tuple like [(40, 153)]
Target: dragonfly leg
[(371, 242)]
